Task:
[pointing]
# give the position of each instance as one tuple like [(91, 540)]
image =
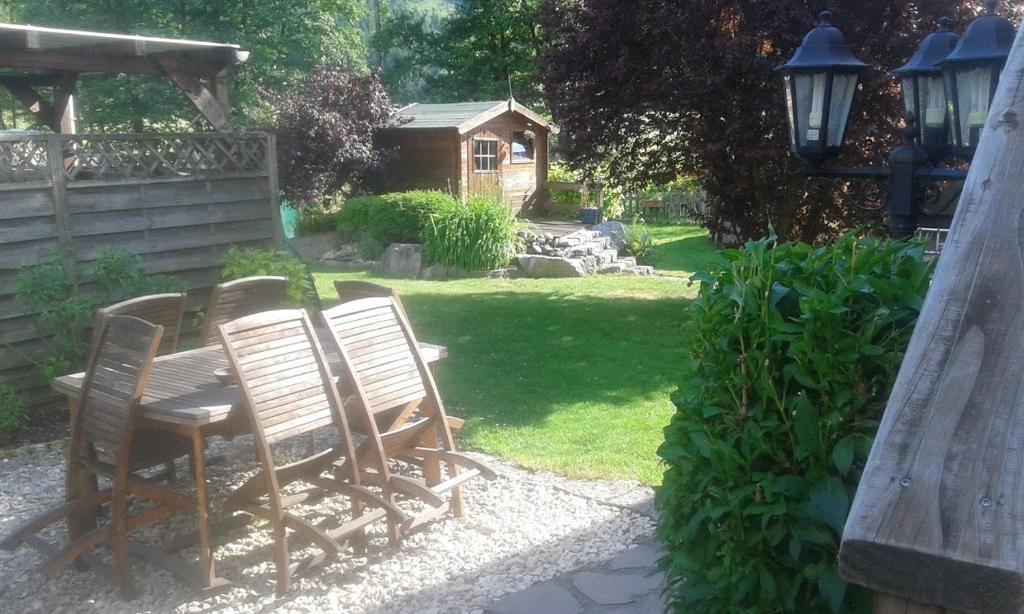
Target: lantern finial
[(825, 18), (990, 7), (943, 24)]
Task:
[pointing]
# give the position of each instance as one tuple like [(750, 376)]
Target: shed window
[(522, 147), (485, 155)]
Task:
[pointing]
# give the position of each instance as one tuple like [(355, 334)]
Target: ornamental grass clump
[(796, 349), (477, 236)]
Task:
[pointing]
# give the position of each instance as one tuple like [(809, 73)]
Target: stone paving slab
[(629, 583)]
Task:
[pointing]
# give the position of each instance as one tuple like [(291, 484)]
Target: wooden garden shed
[(469, 148)]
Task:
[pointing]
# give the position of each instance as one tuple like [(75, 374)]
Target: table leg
[(207, 575), (78, 482)]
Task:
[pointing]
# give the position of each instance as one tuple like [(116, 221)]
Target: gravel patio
[(521, 529)]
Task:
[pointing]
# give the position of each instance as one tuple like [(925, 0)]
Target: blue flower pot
[(588, 215)]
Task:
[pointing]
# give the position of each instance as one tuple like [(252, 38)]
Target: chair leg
[(172, 475), (394, 529), (281, 558), (119, 544)]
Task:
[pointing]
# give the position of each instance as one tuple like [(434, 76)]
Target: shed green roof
[(447, 115), (462, 116)]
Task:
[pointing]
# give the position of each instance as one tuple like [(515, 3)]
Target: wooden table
[(184, 397)]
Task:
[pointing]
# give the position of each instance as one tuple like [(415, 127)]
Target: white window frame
[(512, 148), (493, 156)]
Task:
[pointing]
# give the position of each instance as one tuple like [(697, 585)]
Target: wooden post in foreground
[(938, 518)]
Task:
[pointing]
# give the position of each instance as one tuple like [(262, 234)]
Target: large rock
[(314, 246), (615, 231), (403, 260), (551, 266)]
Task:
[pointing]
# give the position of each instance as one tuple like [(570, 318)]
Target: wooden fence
[(179, 201)]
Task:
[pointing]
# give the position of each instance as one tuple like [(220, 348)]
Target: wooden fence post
[(272, 186), (62, 217), (938, 517)]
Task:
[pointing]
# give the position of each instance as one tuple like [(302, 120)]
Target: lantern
[(924, 92), (820, 80)]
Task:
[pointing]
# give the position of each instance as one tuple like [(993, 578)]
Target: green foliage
[(400, 217), (239, 263), (476, 237), (12, 407), (796, 349), (63, 313), (639, 242), (471, 54), (322, 217)]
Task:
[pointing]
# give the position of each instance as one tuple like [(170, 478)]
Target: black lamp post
[(947, 86)]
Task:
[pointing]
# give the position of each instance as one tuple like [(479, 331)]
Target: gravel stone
[(520, 529)]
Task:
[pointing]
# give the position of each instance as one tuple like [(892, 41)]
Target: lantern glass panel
[(932, 118), (810, 107), (843, 87), (790, 113), (909, 86), (973, 89)]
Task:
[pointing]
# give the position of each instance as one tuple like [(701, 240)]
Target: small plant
[(639, 242), (796, 349), (476, 237), (239, 263), (322, 217), (64, 307), (12, 407)]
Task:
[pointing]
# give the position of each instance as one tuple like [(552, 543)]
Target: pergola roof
[(38, 49)]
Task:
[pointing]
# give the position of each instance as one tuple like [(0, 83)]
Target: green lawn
[(571, 375)]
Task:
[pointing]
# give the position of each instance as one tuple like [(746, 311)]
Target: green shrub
[(12, 407), (63, 315), (378, 221), (639, 242), (796, 349), (476, 237), (322, 217), (239, 263)]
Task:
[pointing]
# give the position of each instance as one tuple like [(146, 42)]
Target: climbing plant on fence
[(796, 349)]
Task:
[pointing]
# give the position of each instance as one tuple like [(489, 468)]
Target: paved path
[(628, 583)]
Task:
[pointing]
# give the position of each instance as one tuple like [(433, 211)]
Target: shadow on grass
[(516, 357)]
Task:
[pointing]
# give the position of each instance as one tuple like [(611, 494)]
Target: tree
[(285, 38), (325, 132), (469, 55), (669, 88)]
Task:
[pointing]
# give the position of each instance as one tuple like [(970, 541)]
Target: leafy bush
[(796, 349), (62, 315), (325, 130), (322, 217), (476, 237), (12, 407), (400, 217), (639, 242), (239, 263)]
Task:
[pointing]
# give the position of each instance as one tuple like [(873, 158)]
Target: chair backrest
[(114, 382), (165, 310), (235, 299), (379, 352), (281, 368), (355, 290)]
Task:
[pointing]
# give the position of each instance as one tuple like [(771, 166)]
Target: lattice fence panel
[(23, 160), (144, 157)]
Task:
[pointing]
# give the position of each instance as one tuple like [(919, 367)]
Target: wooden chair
[(106, 419), (290, 391), (355, 290), (168, 311), (235, 299), (397, 407)]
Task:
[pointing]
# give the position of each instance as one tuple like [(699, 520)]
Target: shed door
[(485, 160)]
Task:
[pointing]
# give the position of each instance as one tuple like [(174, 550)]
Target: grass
[(570, 375)]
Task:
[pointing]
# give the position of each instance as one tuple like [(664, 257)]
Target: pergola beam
[(213, 107), (58, 115)]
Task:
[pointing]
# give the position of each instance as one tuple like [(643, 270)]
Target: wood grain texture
[(241, 297), (938, 517)]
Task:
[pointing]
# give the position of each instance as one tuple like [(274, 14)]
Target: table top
[(182, 388)]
